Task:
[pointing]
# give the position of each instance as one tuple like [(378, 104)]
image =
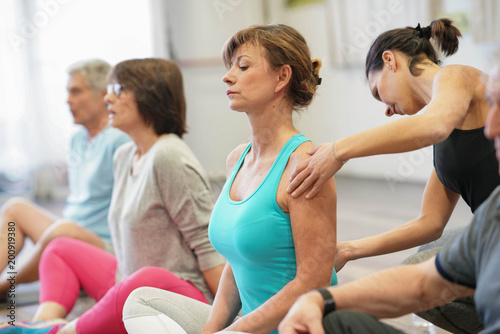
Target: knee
[(58, 246), (138, 295), (13, 206), (137, 301), (146, 276), (345, 321), (336, 322), (149, 271), (60, 228)]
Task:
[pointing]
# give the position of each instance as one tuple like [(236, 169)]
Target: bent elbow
[(436, 233), (439, 134), (433, 231)]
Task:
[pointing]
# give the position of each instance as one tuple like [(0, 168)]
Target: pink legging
[(69, 264)]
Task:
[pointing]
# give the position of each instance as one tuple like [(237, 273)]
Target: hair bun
[(316, 65)]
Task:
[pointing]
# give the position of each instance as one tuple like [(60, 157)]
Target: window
[(42, 39)]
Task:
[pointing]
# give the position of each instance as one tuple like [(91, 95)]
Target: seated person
[(159, 212), (90, 174), (277, 247), (467, 266)]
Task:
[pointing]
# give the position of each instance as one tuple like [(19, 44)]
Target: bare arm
[(226, 305), (213, 276), (401, 290), (386, 294), (451, 97), (227, 301), (314, 233), (437, 206)]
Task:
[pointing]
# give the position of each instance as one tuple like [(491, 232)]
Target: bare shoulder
[(298, 156), (458, 76), (300, 153), (233, 157), (460, 83)]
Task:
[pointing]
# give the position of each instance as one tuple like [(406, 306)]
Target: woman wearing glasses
[(158, 217)]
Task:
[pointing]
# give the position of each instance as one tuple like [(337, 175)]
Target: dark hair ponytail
[(415, 44), (446, 35)]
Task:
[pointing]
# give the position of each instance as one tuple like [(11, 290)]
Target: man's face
[(86, 106)]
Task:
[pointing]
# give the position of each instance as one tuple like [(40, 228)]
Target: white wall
[(343, 105), (117, 30)]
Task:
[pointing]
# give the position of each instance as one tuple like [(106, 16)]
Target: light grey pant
[(146, 303), (460, 315)]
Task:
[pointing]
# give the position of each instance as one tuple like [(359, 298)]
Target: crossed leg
[(26, 219)]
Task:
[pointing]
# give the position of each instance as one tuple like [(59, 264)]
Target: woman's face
[(251, 81), (123, 111), (392, 88)]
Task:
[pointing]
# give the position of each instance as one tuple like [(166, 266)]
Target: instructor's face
[(492, 128)]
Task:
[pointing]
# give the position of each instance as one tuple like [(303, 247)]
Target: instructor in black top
[(468, 266), (449, 111)]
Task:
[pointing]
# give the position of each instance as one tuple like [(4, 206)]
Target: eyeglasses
[(114, 88)]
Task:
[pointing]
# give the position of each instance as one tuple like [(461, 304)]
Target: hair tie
[(425, 32)]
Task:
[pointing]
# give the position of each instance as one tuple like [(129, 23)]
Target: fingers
[(311, 179), (297, 180), (315, 189), (313, 150), (316, 327), (296, 326), (289, 329), (298, 170)]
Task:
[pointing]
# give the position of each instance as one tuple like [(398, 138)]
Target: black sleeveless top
[(466, 164)]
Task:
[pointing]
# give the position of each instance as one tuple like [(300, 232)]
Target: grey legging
[(150, 310)]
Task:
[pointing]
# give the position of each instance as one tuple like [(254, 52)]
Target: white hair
[(95, 71)]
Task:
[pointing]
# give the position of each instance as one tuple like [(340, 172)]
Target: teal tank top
[(255, 235)]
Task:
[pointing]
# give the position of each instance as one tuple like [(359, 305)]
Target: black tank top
[(466, 164)]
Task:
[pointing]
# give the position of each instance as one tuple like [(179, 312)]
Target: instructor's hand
[(315, 171)]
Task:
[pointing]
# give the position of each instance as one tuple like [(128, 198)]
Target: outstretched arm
[(386, 294), (451, 97), (437, 206)]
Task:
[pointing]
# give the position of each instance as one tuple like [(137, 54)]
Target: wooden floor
[(365, 207)]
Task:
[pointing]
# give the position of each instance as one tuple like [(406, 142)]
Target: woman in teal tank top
[(277, 247)]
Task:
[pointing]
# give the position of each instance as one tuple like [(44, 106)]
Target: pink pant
[(69, 264)]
